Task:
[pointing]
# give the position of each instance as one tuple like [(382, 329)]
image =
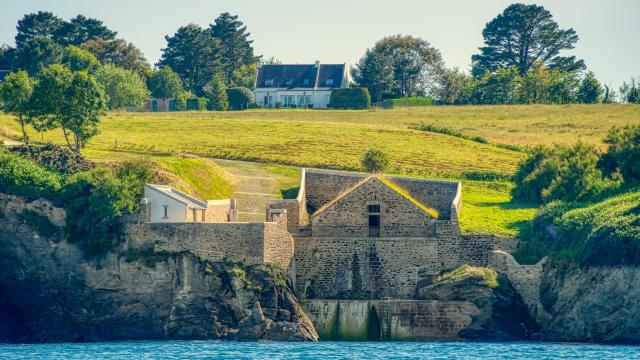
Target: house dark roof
[(4, 73), (301, 76)]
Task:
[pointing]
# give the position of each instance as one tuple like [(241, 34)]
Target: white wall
[(320, 98), (176, 211)]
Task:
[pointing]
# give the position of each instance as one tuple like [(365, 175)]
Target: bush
[(54, 158), (375, 161), (350, 99), (20, 176), (560, 173), (624, 153), (606, 233), (96, 200), (240, 98)]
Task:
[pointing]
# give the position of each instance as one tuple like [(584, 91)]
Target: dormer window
[(268, 82), (288, 82), (306, 82), (329, 82)]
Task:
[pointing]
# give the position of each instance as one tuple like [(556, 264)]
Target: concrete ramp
[(390, 320)]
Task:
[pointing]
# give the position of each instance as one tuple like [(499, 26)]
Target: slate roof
[(299, 76), (391, 185), (4, 73)]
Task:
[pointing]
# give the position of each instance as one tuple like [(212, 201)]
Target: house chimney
[(317, 64)]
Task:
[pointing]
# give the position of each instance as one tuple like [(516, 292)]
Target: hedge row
[(351, 99)]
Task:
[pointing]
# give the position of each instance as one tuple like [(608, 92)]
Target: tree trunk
[(25, 137), (66, 137)]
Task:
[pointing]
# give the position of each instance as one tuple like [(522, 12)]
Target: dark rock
[(50, 291), (503, 315)]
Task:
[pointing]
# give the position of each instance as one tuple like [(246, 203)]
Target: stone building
[(168, 205)]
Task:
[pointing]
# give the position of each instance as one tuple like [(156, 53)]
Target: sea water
[(320, 350)]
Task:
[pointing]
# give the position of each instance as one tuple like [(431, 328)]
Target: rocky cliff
[(51, 291), (599, 304)]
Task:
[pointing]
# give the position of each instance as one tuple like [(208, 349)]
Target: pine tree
[(217, 94), (235, 46)]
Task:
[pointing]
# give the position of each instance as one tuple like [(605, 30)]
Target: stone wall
[(525, 279), (375, 268), (394, 320), (221, 211), (251, 243), (322, 186)]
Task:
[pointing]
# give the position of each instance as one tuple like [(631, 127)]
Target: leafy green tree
[(7, 57), (36, 53), (217, 94), (456, 88), (81, 29), (194, 55), (499, 87), (234, 44), (122, 87), (15, 96), (41, 24), (78, 59), (119, 53), (375, 161), (590, 91), (84, 104), (630, 92), (623, 153), (522, 35), (48, 98), (245, 76), (240, 98), (415, 67), (374, 72), (165, 83)]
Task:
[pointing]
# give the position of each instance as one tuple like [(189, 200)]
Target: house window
[(374, 220), (268, 82), (288, 100), (195, 218), (306, 82), (329, 82), (288, 82), (304, 100), (166, 211)]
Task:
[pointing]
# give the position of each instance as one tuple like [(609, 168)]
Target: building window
[(374, 220), (288, 100), (304, 100), (166, 211), (195, 217), (306, 82), (289, 82), (329, 82), (268, 82)]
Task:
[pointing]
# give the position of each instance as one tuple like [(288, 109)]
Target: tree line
[(521, 62)]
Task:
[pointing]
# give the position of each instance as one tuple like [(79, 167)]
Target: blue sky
[(336, 31)]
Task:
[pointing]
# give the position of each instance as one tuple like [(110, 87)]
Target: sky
[(339, 31)]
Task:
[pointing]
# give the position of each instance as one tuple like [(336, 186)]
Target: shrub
[(240, 98), (352, 99), (375, 161), (560, 173), (623, 153), (20, 176), (96, 200), (54, 158), (217, 95)]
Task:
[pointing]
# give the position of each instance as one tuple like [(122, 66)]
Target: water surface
[(320, 350)]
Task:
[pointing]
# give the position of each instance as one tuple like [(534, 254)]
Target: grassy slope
[(338, 138)]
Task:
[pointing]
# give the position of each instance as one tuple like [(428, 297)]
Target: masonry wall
[(278, 244), (349, 217), (322, 186), (375, 268), (218, 211)]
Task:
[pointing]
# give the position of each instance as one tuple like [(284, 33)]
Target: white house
[(168, 205), (298, 85)]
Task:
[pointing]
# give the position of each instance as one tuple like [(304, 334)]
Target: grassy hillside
[(337, 139)]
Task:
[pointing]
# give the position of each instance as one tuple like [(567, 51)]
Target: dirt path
[(9, 142), (253, 187)]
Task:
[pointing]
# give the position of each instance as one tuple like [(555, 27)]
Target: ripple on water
[(320, 350)]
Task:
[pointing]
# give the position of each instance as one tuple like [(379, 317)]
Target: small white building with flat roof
[(168, 205)]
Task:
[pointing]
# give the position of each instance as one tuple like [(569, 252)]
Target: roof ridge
[(388, 183)]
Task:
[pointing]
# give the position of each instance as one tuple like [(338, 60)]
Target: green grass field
[(337, 139)]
